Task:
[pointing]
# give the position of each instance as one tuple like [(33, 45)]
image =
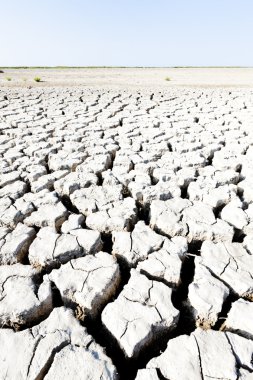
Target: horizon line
[(125, 67)]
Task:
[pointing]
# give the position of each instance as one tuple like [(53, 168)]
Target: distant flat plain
[(128, 77)]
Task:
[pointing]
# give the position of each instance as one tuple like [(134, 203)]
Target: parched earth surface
[(126, 234)]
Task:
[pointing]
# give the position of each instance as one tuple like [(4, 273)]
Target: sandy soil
[(130, 77)]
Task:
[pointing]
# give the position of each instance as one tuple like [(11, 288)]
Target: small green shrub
[(8, 79), (37, 79), (167, 79)]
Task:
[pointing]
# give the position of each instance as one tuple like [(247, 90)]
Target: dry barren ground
[(126, 233), (153, 78)]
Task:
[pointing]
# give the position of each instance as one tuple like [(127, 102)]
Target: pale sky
[(126, 32)]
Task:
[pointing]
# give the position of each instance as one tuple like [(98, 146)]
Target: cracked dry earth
[(126, 234)]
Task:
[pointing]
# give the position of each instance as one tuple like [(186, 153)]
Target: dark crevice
[(194, 248), (124, 367), (125, 192), (57, 299), (160, 375), (143, 212), (107, 242), (127, 368), (28, 186), (124, 275), (239, 236), (186, 323), (209, 160), (218, 210), (170, 147), (154, 181), (69, 205), (36, 228), (155, 349), (100, 179), (46, 166), (102, 336), (25, 260), (110, 165), (184, 192), (225, 310)]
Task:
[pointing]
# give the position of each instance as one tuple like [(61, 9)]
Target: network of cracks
[(126, 234)]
